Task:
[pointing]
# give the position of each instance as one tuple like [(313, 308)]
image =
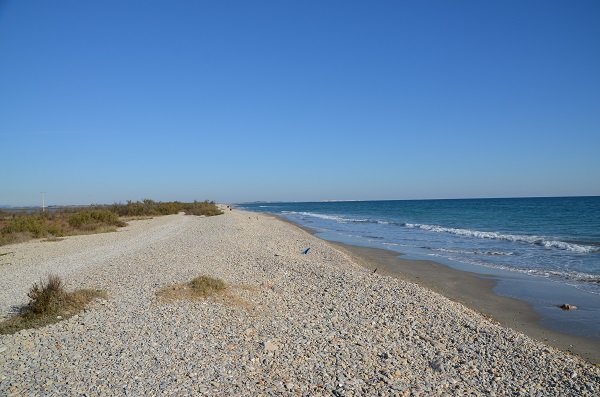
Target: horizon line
[(315, 201)]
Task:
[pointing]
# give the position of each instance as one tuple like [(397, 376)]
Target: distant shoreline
[(479, 296)]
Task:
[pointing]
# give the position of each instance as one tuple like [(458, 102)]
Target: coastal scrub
[(18, 227), (149, 207)]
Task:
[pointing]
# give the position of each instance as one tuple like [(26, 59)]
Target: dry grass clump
[(205, 286), (49, 303), (199, 288)]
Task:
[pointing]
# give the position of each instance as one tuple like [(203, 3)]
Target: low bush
[(206, 208), (149, 207), (47, 297), (19, 227), (85, 219), (49, 303), (36, 225)]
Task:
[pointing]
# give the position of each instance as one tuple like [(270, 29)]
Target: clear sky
[(104, 101)]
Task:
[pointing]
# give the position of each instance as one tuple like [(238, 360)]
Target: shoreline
[(480, 296), (288, 323)]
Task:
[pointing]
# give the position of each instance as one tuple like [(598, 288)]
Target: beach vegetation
[(204, 286), (149, 207), (206, 208), (18, 227), (92, 219), (49, 302), (201, 287)]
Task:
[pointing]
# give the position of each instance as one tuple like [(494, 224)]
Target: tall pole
[(43, 201)]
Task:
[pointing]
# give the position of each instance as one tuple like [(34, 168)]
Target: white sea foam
[(540, 241), (474, 252), (582, 249), (585, 278), (325, 216)]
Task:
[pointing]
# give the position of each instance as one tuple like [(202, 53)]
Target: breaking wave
[(581, 277), (342, 219), (474, 252), (535, 240)]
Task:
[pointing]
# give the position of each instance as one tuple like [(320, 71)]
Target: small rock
[(437, 365), (270, 346), (566, 306)]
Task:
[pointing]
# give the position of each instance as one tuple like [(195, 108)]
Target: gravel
[(290, 323)]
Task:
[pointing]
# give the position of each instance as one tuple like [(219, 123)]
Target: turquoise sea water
[(552, 242)]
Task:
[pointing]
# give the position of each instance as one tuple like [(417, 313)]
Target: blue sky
[(107, 101)]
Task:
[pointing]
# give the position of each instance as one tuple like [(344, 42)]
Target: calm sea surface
[(552, 239)]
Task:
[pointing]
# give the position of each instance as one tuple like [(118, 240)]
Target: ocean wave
[(580, 277), (388, 223), (342, 219), (535, 240), (473, 252), (373, 237), (336, 218)]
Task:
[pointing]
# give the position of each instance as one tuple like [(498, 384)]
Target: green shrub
[(149, 207), (94, 217), (33, 224), (206, 208), (16, 228)]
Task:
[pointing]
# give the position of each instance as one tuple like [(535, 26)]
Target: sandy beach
[(320, 323)]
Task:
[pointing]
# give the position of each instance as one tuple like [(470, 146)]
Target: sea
[(545, 251)]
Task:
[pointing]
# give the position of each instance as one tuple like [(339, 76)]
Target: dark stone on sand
[(566, 306)]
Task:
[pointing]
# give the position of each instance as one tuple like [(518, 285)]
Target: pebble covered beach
[(289, 323)]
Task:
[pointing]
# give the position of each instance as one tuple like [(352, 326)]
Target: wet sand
[(473, 290)]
